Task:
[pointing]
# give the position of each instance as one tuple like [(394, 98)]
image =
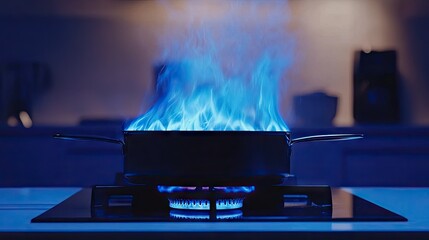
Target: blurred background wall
[(101, 53)]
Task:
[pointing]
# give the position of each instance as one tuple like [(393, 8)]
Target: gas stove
[(212, 176), (145, 203)]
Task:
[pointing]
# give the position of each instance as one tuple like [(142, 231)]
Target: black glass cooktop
[(273, 203)]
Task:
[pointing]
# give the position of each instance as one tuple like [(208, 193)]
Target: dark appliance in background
[(316, 109), (375, 87), (20, 85)]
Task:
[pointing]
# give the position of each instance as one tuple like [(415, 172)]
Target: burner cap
[(198, 198)]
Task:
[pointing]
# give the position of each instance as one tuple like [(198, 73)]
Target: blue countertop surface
[(19, 205)]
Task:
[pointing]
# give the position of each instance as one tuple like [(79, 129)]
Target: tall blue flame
[(223, 76)]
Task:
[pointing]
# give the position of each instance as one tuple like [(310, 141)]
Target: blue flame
[(242, 189), (204, 215), (204, 204), (223, 77), (169, 189)]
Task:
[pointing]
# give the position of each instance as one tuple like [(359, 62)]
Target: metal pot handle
[(88, 138), (327, 137), (314, 138)]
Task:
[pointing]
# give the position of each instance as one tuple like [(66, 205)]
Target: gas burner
[(202, 204), (205, 215), (199, 198)]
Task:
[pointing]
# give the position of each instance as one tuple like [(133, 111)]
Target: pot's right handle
[(327, 137), (88, 138)]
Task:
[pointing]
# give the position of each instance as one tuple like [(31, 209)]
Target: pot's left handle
[(88, 138)]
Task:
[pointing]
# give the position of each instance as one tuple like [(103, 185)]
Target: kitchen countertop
[(19, 205)]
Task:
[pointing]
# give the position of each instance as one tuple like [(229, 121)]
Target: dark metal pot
[(207, 158)]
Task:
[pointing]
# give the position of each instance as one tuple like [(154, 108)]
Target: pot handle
[(88, 138), (327, 137)]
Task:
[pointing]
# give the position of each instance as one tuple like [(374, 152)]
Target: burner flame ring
[(198, 198), (204, 204)]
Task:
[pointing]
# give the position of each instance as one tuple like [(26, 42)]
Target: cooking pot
[(207, 158)]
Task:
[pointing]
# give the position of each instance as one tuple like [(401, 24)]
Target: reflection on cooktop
[(272, 203)]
